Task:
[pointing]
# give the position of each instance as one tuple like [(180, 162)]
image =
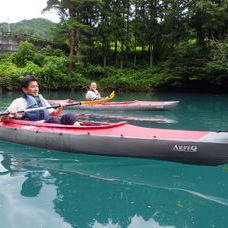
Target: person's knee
[(53, 119), (68, 119)]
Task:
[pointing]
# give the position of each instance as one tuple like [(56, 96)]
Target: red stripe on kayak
[(118, 129), (87, 125)]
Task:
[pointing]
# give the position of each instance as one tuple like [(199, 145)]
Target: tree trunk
[(135, 55), (121, 63), (142, 51), (121, 55), (105, 48), (135, 59), (72, 43), (200, 36), (104, 61), (76, 47), (116, 53), (151, 55), (72, 50)]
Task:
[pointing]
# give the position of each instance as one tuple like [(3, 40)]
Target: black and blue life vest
[(35, 102)]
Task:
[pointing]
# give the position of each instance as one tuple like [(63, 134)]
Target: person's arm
[(4, 118), (17, 105), (54, 112), (57, 112), (97, 93)]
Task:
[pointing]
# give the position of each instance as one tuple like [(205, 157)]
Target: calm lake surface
[(41, 188)]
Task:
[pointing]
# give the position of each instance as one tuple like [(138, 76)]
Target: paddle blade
[(112, 94), (99, 101)]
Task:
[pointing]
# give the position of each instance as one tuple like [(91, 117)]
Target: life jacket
[(35, 102)]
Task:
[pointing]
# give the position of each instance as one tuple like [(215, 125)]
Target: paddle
[(58, 105)]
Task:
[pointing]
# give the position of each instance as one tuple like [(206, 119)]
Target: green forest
[(136, 45), (38, 27)]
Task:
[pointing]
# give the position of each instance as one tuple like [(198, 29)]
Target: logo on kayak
[(185, 148)]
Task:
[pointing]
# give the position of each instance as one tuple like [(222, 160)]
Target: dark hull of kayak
[(168, 106), (211, 149), (125, 106)]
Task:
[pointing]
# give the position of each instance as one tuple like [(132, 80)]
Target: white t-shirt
[(91, 96), (20, 104)]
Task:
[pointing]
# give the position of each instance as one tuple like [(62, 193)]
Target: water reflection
[(68, 190), (136, 221), (26, 196), (32, 185), (5, 161)]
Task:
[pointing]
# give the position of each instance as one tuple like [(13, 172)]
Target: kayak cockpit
[(87, 124)]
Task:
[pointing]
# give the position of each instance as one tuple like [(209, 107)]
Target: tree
[(70, 14)]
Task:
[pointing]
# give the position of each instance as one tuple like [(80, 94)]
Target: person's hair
[(92, 83), (25, 81)]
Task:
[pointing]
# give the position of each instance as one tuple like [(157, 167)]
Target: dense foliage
[(50, 67), (132, 45)]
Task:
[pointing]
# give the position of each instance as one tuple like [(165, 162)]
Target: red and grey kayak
[(122, 139), (123, 106)]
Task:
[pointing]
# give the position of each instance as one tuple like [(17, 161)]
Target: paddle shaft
[(39, 109)]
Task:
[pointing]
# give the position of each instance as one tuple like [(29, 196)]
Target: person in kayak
[(93, 93), (32, 99)]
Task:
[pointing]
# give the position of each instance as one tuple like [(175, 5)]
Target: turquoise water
[(44, 188)]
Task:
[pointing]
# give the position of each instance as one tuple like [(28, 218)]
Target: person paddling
[(32, 99), (93, 93)]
